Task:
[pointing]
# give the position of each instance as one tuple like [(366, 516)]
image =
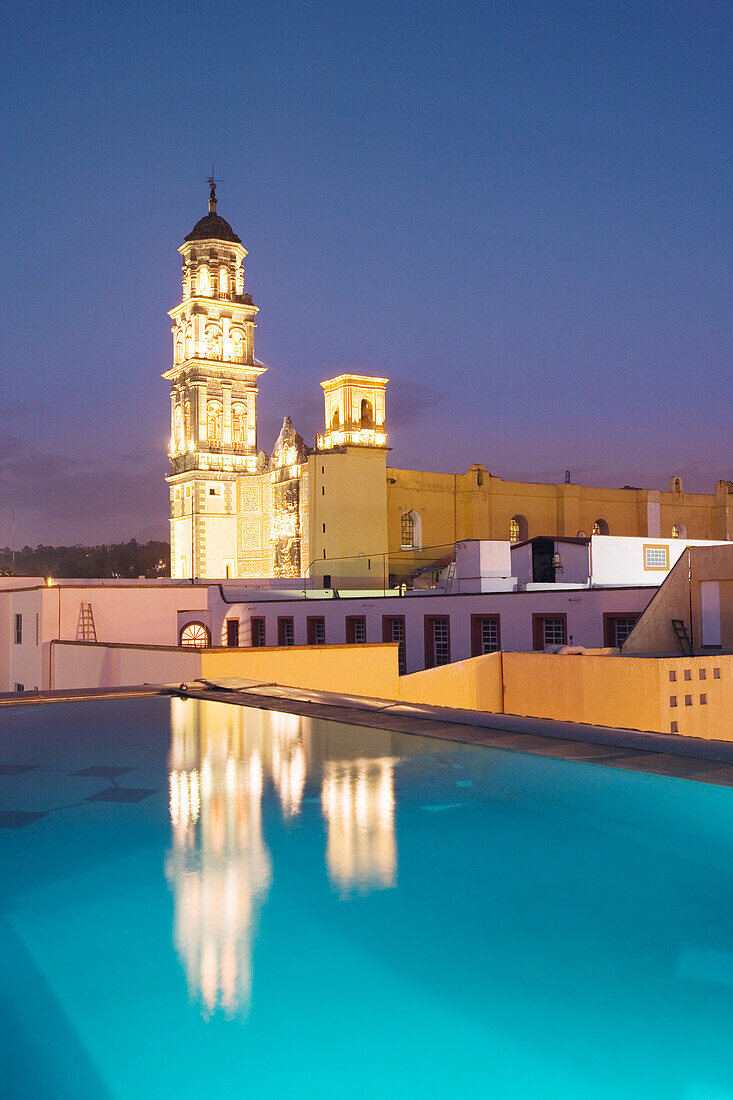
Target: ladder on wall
[(450, 575), (678, 625), (85, 629)]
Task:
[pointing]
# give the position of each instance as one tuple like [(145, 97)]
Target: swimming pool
[(210, 900)]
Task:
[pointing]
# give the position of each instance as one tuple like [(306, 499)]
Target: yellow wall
[(478, 505), (606, 691), (347, 493), (475, 684), (352, 669)]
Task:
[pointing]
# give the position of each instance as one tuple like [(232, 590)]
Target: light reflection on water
[(219, 867)]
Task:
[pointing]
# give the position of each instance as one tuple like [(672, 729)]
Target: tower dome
[(212, 226)]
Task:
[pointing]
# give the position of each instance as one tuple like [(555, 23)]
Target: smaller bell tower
[(355, 412)]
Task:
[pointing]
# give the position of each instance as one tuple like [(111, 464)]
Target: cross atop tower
[(212, 182)]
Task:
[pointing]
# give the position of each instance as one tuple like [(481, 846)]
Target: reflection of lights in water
[(219, 867), (289, 766), (358, 802)]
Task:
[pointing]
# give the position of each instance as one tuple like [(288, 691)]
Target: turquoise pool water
[(220, 901)]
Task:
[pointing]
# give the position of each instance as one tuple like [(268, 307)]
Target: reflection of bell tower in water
[(219, 867), (213, 399)]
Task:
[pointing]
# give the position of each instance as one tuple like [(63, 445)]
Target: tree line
[(123, 559)]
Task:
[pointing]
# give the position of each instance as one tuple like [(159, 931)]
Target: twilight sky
[(518, 211)]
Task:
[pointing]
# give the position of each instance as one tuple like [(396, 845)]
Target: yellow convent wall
[(352, 669), (475, 684)]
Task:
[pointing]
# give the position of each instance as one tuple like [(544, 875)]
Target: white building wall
[(617, 560)]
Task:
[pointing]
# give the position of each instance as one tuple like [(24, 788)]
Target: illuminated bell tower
[(213, 399)]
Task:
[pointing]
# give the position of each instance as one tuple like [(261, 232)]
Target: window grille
[(316, 631), (285, 632), (195, 634), (513, 530), (396, 633), (554, 631), (489, 635), (623, 626), (407, 531), (18, 629), (441, 647), (258, 632), (656, 557)]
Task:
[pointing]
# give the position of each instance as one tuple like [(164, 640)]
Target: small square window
[(673, 727), (672, 677), (673, 700), (688, 700), (716, 673), (212, 492), (703, 674), (703, 700), (688, 673)]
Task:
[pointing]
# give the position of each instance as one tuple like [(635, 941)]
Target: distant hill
[(124, 559)]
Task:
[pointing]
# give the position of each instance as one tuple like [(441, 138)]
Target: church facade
[(335, 512)]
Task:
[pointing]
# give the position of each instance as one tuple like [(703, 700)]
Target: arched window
[(187, 423), (600, 527), (213, 342), (679, 531), (581, 535), (214, 415), (179, 345), (335, 419), (239, 426), (178, 429), (367, 414), (223, 280), (194, 634), (189, 341), (518, 529), (204, 281), (410, 531), (237, 339)]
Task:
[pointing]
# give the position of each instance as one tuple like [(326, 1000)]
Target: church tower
[(213, 399)]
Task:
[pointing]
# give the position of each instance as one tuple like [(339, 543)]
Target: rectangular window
[(656, 557), (285, 632), (485, 635), (258, 632), (688, 700), (355, 629), (437, 640), (393, 630), (673, 727), (688, 673), (702, 674), (18, 629), (549, 630), (233, 632), (20, 687), (316, 626), (673, 700), (616, 628), (703, 699)]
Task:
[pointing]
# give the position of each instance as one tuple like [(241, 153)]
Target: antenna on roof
[(212, 182)]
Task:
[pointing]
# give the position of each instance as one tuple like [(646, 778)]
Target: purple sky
[(519, 213)]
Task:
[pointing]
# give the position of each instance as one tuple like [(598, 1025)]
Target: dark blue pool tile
[(17, 769), (18, 819), (120, 794), (96, 772)]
